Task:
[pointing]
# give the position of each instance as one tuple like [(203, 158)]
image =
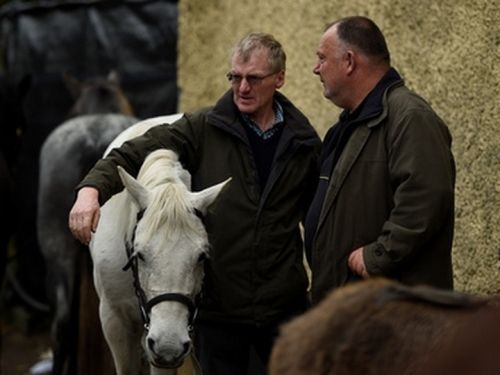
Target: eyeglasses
[(252, 79)]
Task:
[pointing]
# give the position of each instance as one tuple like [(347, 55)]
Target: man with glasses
[(255, 278)]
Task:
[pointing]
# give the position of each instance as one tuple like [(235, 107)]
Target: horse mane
[(170, 204)]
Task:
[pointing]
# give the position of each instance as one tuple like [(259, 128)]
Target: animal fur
[(382, 327)]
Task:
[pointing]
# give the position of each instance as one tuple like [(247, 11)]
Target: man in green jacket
[(255, 277), (384, 205)]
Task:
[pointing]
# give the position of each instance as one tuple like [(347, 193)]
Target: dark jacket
[(392, 192), (255, 272)]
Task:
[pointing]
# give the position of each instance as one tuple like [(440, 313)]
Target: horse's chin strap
[(145, 305)]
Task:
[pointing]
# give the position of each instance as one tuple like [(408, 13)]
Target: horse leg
[(124, 340), (59, 337), (63, 328), (93, 355)]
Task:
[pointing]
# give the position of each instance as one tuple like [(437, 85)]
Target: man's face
[(254, 83), (330, 67)]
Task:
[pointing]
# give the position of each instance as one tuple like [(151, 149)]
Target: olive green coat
[(392, 192), (255, 272)]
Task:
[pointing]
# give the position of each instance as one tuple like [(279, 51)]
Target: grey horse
[(67, 154)]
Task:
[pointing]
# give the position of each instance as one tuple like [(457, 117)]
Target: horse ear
[(203, 199), (114, 77), (185, 177), (139, 193), (73, 85)]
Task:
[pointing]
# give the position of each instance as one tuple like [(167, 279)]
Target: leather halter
[(145, 305)]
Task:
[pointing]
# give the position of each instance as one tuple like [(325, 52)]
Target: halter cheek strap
[(145, 306)]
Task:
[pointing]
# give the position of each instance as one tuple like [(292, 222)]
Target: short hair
[(253, 41), (363, 34)]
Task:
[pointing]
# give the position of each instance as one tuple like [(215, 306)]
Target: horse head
[(97, 95), (168, 244)]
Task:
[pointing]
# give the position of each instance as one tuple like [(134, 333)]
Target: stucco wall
[(448, 51)]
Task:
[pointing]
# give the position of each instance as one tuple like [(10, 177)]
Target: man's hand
[(357, 264), (85, 214)]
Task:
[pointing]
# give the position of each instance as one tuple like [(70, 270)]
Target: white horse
[(140, 128), (153, 225)]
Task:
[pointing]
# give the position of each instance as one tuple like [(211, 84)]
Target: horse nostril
[(187, 346), (151, 344)]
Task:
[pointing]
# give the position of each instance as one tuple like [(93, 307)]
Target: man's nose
[(244, 85), (316, 68)]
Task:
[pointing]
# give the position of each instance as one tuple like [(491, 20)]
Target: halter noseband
[(145, 305)]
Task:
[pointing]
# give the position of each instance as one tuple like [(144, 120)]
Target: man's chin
[(245, 108)]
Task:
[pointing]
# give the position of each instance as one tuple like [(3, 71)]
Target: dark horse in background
[(100, 112), (380, 326)]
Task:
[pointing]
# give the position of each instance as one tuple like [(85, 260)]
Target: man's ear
[(350, 61), (280, 81)]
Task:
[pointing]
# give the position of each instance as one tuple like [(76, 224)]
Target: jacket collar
[(225, 115), (297, 132), (379, 111), (373, 105), (356, 143)]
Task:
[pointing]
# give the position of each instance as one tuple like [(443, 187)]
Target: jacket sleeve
[(180, 137), (422, 178), (310, 188)]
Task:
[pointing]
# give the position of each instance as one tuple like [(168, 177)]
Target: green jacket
[(392, 191), (255, 272)]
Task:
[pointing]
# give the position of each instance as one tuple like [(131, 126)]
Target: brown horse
[(97, 95), (383, 327)]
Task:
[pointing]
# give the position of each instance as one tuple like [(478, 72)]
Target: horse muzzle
[(173, 360)]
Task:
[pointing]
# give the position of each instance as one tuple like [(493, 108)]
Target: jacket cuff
[(377, 260), (84, 184)]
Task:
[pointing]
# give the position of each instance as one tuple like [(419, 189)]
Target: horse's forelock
[(170, 203), (171, 208)]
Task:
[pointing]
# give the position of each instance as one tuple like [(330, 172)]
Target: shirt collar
[(278, 120)]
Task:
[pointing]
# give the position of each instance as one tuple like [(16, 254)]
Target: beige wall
[(447, 50)]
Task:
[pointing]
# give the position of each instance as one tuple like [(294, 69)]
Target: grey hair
[(254, 41)]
